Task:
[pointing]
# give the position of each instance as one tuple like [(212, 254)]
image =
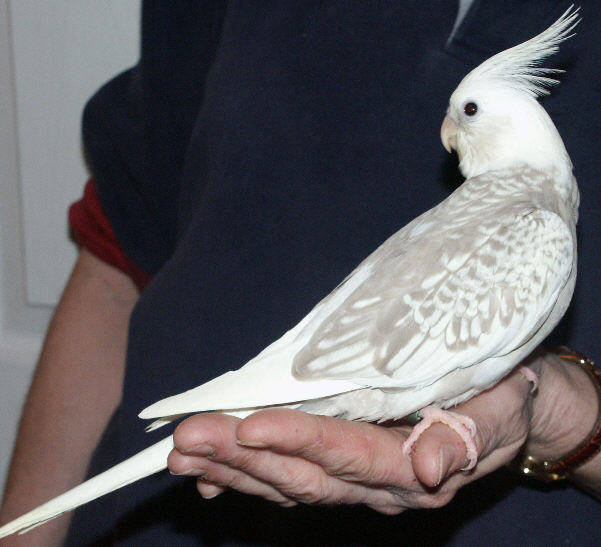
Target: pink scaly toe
[(462, 425), (531, 376)]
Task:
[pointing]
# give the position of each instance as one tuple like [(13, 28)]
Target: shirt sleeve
[(92, 230), (136, 127)]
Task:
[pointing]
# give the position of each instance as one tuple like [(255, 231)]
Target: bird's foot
[(531, 376), (462, 425)]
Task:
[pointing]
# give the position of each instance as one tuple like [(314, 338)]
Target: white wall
[(53, 55)]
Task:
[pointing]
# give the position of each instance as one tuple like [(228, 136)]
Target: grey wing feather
[(449, 300)]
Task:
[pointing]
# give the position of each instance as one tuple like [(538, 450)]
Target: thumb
[(438, 453), (501, 417)]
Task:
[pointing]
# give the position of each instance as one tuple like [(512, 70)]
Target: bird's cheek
[(462, 147)]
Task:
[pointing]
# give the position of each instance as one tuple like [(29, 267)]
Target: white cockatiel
[(443, 309)]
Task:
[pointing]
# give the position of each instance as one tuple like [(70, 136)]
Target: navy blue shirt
[(255, 155)]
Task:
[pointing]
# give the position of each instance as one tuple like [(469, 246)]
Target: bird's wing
[(454, 300), (418, 307)]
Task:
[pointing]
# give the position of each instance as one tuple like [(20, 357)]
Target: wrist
[(564, 409), (564, 429)]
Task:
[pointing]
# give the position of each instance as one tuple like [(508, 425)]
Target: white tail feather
[(149, 461)]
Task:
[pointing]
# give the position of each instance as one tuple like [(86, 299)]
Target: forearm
[(75, 390)]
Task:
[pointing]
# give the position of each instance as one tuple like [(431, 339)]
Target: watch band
[(549, 471)]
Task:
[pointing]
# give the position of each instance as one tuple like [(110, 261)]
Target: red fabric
[(93, 231)]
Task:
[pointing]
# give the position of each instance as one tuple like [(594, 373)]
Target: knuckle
[(243, 460), (320, 435), (312, 489)]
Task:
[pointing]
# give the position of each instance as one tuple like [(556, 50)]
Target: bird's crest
[(518, 67)]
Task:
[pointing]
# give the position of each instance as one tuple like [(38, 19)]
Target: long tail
[(149, 461)]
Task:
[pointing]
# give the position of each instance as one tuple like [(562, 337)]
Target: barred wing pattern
[(473, 278)]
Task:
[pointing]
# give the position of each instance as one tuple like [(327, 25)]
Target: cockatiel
[(444, 308)]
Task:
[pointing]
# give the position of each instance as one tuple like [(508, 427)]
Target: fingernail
[(204, 450), (252, 444), (446, 460), (188, 472)]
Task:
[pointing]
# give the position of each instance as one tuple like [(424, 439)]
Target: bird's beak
[(448, 134)]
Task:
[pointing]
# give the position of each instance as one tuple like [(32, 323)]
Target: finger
[(501, 428), (437, 454), (263, 472), (352, 451), (199, 434), (208, 490), (197, 442), (213, 478)]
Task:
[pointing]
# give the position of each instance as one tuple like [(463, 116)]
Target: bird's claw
[(463, 425)]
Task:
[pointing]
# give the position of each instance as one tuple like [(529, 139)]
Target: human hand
[(292, 457)]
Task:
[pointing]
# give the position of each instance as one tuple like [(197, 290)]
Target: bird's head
[(494, 120)]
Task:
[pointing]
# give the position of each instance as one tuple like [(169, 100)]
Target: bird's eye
[(470, 109)]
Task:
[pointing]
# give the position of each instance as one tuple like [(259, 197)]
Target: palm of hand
[(290, 457)]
